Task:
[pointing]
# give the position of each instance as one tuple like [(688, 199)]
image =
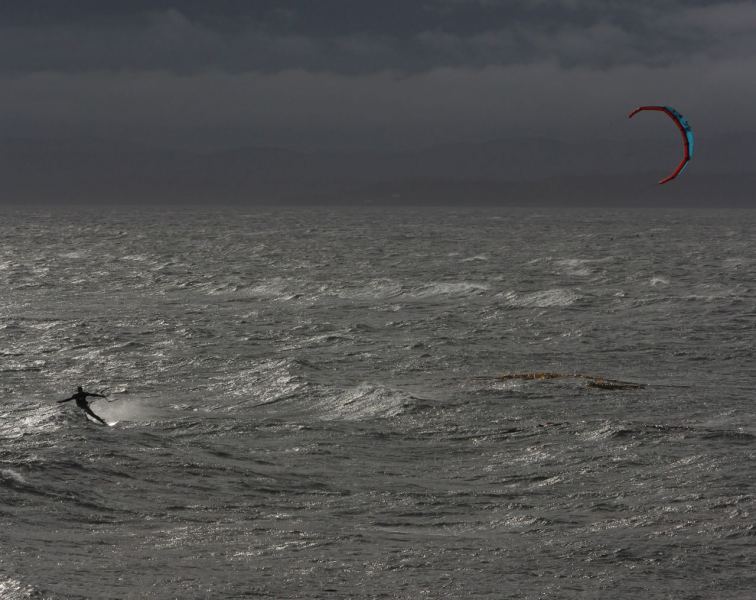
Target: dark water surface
[(308, 404)]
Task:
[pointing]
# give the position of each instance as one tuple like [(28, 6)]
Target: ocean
[(378, 403)]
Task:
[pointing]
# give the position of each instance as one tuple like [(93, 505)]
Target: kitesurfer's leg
[(89, 412)]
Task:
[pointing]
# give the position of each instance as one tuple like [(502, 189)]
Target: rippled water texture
[(310, 404)]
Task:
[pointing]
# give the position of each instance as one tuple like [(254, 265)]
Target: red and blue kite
[(687, 135)]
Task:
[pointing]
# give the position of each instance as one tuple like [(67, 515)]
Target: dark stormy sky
[(367, 74)]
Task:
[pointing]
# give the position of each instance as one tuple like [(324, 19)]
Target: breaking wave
[(541, 299), (366, 401)]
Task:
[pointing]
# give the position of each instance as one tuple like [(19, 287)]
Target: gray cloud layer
[(370, 74), (355, 37)]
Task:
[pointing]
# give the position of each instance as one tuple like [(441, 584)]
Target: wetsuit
[(81, 402)]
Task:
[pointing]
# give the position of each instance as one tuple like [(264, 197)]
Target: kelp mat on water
[(591, 380)]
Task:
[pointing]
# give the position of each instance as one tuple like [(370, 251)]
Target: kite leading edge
[(685, 130)]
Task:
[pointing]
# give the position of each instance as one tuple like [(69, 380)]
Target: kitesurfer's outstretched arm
[(66, 400)]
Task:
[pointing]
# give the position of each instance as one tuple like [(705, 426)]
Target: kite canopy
[(687, 135)]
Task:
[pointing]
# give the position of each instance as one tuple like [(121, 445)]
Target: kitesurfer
[(81, 401)]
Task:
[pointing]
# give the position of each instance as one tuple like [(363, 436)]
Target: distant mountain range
[(517, 171)]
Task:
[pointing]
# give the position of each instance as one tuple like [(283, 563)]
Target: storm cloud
[(357, 37), (391, 75)]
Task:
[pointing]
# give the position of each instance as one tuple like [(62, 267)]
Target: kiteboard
[(91, 420)]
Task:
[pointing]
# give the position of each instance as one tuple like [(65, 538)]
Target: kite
[(687, 135)]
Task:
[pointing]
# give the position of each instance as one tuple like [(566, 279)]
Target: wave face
[(307, 404)]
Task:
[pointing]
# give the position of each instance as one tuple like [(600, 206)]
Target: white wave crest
[(277, 289), (10, 474), (383, 288), (541, 299), (12, 589), (375, 289), (658, 280), (366, 401), (462, 288), (476, 258), (264, 383), (575, 266)]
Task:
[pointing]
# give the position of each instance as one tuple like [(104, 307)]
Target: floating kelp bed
[(591, 380)]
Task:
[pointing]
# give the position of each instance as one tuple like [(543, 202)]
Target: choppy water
[(308, 405)]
